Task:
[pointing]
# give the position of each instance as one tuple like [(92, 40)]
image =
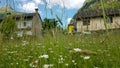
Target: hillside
[(96, 4)]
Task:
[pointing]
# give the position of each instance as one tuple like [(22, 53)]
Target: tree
[(49, 24), (8, 26)]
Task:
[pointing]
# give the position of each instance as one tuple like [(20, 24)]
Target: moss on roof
[(96, 4), (93, 8)]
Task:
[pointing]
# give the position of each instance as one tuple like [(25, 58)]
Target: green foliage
[(107, 4), (59, 20), (64, 51), (104, 16), (8, 26), (95, 4), (49, 24)]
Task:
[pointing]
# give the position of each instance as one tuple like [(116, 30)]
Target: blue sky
[(65, 9)]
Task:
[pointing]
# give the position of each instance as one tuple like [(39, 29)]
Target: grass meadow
[(62, 51)]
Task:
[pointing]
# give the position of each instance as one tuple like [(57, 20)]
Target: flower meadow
[(62, 51)]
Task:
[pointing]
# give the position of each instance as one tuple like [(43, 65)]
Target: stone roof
[(92, 8), (96, 13)]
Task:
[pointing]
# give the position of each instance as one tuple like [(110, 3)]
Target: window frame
[(25, 23), (109, 19), (86, 22)]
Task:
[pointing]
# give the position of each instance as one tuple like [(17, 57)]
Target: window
[(109, 20), (25, 23), (86, 22)]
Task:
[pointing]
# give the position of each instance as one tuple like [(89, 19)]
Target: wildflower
[(12, 63), (51, 51), (48, 65), (73, 61), (36, 61), (44, 56), (61, 59), (66, 64), (25, 43), (12, 52), (86, 57), (77, 49), (95, 67), (11, 38), (38, 44), (49, 48), (25, 60), (30, 56), (17, 63), (60, 55), (32, 65)]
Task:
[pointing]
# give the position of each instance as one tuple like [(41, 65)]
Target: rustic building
[(90, 16), (27, 23), (92, 20)]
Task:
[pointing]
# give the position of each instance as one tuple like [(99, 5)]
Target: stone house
[(92, 20), (27, 23)]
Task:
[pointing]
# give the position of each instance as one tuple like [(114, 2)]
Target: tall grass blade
[(104, 16), (59, 20)]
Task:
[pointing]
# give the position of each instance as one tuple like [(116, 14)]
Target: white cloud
[(29, 6), (68, 20), (74, 4), (69, 4), (38, 1)]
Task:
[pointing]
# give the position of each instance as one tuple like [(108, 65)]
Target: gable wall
[(23, 29), (37, 25)]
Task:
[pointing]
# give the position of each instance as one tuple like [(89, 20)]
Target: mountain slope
[(96, 4)]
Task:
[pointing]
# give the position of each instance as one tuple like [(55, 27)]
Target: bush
[(8, 27)]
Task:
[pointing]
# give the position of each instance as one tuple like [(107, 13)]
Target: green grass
[(58, 51)]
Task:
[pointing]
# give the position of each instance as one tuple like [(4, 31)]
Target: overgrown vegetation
[(62, 51), (95, 4), (8, 27), (107, 4), (49, 24)]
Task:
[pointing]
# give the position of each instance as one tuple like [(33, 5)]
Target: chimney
[(36, 10)]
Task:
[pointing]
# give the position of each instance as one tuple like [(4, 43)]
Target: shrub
[(8, 27)]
